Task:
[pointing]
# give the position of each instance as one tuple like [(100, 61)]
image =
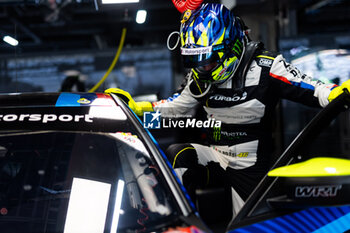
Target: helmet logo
[(196, 51), (186, 16)]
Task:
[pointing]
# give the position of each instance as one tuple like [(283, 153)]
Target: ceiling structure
[(56, 25), (70, 25), (323, 16)]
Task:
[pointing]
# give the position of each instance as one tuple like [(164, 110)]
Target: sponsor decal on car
[(317, 191), (83, 101), (45, 118)]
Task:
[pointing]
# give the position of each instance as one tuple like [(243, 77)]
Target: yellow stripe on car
[(315, 167)]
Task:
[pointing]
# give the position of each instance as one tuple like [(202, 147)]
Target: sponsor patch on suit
[(265, 62)]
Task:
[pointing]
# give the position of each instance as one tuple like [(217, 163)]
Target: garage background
[(62, 38)]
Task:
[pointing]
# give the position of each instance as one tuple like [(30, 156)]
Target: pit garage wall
[(313, 56), (139, 71)]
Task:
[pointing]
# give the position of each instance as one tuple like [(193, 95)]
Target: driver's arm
[(296, 86), (177, 105)]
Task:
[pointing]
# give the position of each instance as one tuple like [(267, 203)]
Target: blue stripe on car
[(72, 99), (317, 220), (68, 100)]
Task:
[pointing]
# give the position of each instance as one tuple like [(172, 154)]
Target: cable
[(141, 221), (177, 42), (111, 67)]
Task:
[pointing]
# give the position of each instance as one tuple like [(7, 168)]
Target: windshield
[(80, 182)]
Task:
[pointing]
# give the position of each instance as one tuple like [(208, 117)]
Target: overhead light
[(141, 16), (119, 1), (10, 40), (87, 206), (118, 202)]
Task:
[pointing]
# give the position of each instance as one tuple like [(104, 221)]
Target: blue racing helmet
[(212, 42)]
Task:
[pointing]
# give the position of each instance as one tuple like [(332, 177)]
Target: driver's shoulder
[(265, 58)]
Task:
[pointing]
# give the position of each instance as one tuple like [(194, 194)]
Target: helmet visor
[(202, 56), (207, 68)]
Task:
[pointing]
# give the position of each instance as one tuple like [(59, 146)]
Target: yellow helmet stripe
[(221, 39), (227, 63), (230, 61), (189, 35), (215, 73), (182, 39), (195, 79)]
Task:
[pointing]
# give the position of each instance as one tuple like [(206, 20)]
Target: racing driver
[(238, 83)]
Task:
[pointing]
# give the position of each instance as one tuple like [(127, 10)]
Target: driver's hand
[(339, 90), (137, 107)]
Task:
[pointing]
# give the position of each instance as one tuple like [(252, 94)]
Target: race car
[(302, 192), (83, 162)]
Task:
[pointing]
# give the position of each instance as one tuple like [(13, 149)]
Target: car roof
[(56, 99), (93, 112)]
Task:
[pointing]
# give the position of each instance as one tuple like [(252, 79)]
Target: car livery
[(83, 162)]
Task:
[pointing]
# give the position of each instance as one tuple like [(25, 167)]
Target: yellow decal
[(243, 154), (83, 101), (186, 16)]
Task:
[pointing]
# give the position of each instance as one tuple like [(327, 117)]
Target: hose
[(183, 5), (111, 67)]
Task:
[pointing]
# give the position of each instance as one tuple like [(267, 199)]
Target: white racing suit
[(242, 145)]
